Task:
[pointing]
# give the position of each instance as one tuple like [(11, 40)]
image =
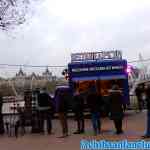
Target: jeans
[(45, 115), (96, 122), (118, 125), (63, 122), (1, 124), (80, 121), (140, 104), (148, 123)]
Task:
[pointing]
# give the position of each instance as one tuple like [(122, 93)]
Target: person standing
[(1, 116), (21, 121), (45, 107), (79, 112), (116, 107), (62, 112), (93, 101), (138, 92), (147, 92)]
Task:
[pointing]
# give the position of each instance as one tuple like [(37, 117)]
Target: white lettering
[(91, 56)]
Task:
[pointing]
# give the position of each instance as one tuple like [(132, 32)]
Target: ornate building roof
[(47, 72), (45, 75), (20, 73)]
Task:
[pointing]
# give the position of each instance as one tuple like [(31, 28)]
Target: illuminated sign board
[(100, 68), (94, 56)]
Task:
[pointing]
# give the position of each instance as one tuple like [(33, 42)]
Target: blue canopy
[(111, 77)]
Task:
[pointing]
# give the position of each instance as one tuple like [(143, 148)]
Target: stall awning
[(85, 78), (111, 77)]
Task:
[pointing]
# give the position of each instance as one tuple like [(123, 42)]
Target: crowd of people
[(95, 103), (48, 106)]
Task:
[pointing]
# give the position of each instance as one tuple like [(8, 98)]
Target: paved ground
[(133, 125)]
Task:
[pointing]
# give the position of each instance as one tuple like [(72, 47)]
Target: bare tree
[(13, 12)]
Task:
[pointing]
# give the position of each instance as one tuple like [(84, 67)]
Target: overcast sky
[(56, 28)]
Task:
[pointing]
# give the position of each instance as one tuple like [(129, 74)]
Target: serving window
[(102, 86)]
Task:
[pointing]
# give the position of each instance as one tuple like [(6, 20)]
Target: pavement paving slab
[(134, 125)]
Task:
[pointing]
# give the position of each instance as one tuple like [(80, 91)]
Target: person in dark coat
[(139, 92), (63, 96), (147, 92), (1, 116), (62, 112), (45, 108), (79, 112), (21, 121), (93, 101), (116, 108)]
